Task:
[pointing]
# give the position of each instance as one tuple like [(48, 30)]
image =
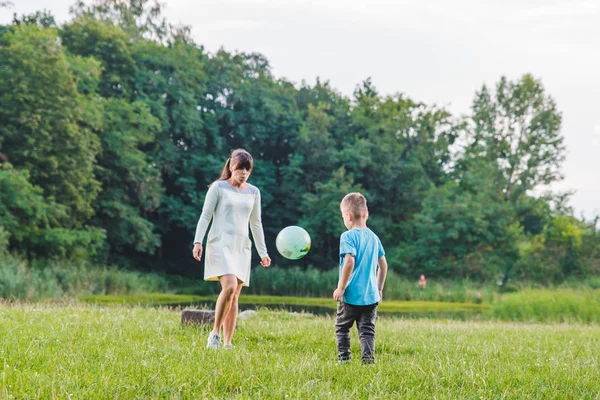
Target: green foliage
[(41, 120), (594, 283), (107, 44), (42, 19), (516, 130), (131, 185), (137, 18), (32, 224), (459, 233), (4, 237), (115, 123), (325, 219), (559, 252), (23, 211)]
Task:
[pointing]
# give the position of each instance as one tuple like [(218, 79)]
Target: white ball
[(293, 242)]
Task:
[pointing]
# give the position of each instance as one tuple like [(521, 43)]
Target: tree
[(463, 233), (131, 185), (397, 150), (33, 223), (171, 81), (138, 19), (513, 137), (517, 129), (127, 171), (46, 126), (109, 45), (323, 218)]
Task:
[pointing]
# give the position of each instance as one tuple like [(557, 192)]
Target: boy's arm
[(344, 277), (381, 274)]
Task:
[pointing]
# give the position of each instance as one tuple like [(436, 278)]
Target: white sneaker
[(228, 346), (214, 341)]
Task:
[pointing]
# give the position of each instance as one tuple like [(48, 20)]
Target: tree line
[(113, 124)]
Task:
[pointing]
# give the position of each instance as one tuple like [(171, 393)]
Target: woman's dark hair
[(239, 158)]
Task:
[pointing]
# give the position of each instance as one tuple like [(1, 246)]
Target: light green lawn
[(89, 352)]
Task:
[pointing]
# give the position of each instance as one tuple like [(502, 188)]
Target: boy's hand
[(380, 296), (338, 294)]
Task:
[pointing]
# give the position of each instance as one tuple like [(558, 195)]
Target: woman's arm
[(257, 228), (210, 203)]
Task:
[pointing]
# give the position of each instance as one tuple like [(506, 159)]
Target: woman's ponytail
[(226, 173)]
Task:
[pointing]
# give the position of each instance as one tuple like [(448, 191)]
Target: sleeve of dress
[(210, 203), (257, 228)]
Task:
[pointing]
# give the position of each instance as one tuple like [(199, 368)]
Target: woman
[(233, 204)]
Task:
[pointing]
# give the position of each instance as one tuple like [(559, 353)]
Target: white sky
[(437, 51)]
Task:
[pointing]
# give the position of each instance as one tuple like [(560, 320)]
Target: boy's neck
[(358, 224)]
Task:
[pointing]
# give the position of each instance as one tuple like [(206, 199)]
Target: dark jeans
[(365, 322)]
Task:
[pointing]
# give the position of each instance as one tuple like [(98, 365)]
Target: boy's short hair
[(356, 204)]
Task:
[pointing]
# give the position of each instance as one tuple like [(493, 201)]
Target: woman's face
[(239, 174)]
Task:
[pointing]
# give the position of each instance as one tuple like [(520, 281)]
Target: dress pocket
[(213, 239)]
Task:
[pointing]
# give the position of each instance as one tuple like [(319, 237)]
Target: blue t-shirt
[(364, 245)]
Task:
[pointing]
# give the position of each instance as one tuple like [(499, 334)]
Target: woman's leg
[(229, 285), (231, 318)]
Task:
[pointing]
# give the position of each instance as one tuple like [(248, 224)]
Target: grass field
[(89, 351)]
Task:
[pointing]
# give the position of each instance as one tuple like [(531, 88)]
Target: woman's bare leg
[(231, 318), (229, 284)]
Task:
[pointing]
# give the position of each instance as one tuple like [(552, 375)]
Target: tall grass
[(457, 291), (316, 283), (293, 282), (544, 305), (18, 280), (312, 282)]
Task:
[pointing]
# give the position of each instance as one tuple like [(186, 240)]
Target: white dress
[(228, 247)]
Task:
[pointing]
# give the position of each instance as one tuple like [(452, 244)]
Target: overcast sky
[(438, 51)]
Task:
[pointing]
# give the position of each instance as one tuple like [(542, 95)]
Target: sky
[(437, 51)]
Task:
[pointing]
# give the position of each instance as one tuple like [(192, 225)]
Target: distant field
[(530, 305), (257, 300), (90, 351)]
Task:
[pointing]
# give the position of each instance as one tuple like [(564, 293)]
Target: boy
[(360, 285)]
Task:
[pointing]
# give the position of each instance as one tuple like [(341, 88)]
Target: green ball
[(293, 242)]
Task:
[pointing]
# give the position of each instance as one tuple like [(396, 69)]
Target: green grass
[(93, 352), (176, 299), (559, 305), (148, 299)]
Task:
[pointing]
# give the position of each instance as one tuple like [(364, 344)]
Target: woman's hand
[(266, 261), (197, 252)]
